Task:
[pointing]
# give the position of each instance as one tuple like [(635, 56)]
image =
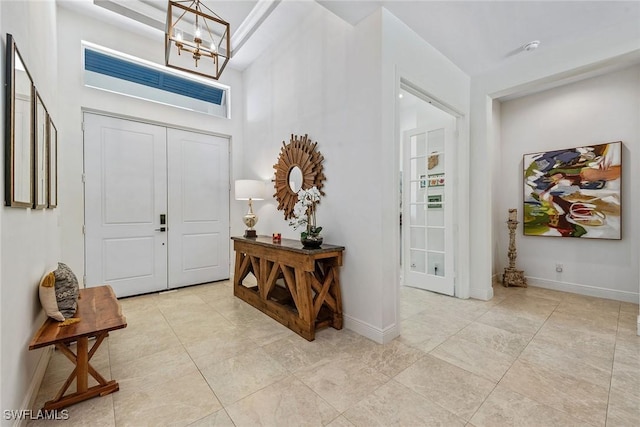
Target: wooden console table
[(308, 295), (99, 312)]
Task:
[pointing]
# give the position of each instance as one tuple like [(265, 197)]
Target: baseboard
[(481, 293), (36, 381), (576, 288), (381, 336)]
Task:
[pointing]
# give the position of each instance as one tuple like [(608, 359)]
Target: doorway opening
[(428, 136), (156, 205)]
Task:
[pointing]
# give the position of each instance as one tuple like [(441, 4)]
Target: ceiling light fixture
[(195, 29), (531, 45)]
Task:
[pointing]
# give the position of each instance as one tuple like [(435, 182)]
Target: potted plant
[(304, 214)]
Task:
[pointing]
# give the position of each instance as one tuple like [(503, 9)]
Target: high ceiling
[(475, 35)]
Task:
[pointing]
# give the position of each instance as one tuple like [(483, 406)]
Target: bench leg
[(81, 374)]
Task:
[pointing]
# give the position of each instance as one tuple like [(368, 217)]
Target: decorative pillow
[(59, 292)]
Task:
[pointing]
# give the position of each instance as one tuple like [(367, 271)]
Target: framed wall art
[(41, 182), (574, 192), (19, 111), (53, 164)]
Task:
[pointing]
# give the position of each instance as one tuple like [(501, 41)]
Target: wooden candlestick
[(512, 276)]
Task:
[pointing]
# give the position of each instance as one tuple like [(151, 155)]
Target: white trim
[(381, 336), (576, 288), (482, 294), (36, 381)]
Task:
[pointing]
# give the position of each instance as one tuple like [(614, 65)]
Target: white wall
[(149, 45), (30, 239), (597, 110), (338, 83), (406, 55)]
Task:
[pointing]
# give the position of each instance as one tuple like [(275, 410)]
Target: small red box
[(277, 238)]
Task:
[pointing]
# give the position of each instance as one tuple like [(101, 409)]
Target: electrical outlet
[(558, 268)]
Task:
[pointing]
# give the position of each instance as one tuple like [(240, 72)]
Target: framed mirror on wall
[(41, 181), (299, 167), (19, 129), (53, 164)]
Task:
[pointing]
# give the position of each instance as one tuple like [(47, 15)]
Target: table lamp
[(247, 189)]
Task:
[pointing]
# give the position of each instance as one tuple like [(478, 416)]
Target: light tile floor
[(529, 357)]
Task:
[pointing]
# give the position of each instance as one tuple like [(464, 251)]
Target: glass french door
[(427, 208)]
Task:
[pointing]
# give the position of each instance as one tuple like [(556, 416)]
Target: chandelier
[(196, 39)]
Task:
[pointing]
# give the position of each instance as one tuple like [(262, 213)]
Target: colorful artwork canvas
[(574, 192)]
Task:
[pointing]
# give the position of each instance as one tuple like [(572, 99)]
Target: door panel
[(427, 208), (125, 193), (198, 191)]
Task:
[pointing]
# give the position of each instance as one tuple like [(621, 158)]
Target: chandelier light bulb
[(214, 49), (178, 34), (198, 32)]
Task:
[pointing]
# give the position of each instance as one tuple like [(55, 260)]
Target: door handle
[(161, 229)]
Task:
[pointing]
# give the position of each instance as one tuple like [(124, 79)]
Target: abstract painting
[(574, 192)]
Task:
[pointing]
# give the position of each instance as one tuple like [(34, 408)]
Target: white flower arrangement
[(304, 211)]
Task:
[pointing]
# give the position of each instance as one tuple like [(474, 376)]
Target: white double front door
[(156, 206)]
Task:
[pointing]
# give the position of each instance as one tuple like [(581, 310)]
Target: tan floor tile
[(475, 358), (507, 408), (154, 369), (628, 325), (393, 404), (264, 330), (578, 398), (494, 338), (628, 351), (138, 303), (624, 410), (578, 342), (576, 347), (629, 307), (585, 320), (217, 419), (179, 401), (342, 382), (510, 321), (453, 388), (96, 412), (534, 291), (581, 365), (390, 358), (341, 421), (127, 344), (178, 300), (296, 353), (286, 403), (626, 378), (219, 346), (239, 376), (427, 330), (529, 307), (594, 304)]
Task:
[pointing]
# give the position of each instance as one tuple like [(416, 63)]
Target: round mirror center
[(295, 179)]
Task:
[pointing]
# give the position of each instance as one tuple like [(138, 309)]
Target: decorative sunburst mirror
[(299, 167)]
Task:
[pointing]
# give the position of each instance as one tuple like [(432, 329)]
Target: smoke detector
[(531, 45)]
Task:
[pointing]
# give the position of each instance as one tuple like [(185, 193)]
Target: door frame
[(89, 110), (460, 239)]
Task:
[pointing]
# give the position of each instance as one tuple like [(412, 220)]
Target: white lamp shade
[(249, 189)]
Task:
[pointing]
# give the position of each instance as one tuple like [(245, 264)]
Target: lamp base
[(250, 233)]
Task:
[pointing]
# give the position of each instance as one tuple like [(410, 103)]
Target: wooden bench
[(99, 313), (309, 298)]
